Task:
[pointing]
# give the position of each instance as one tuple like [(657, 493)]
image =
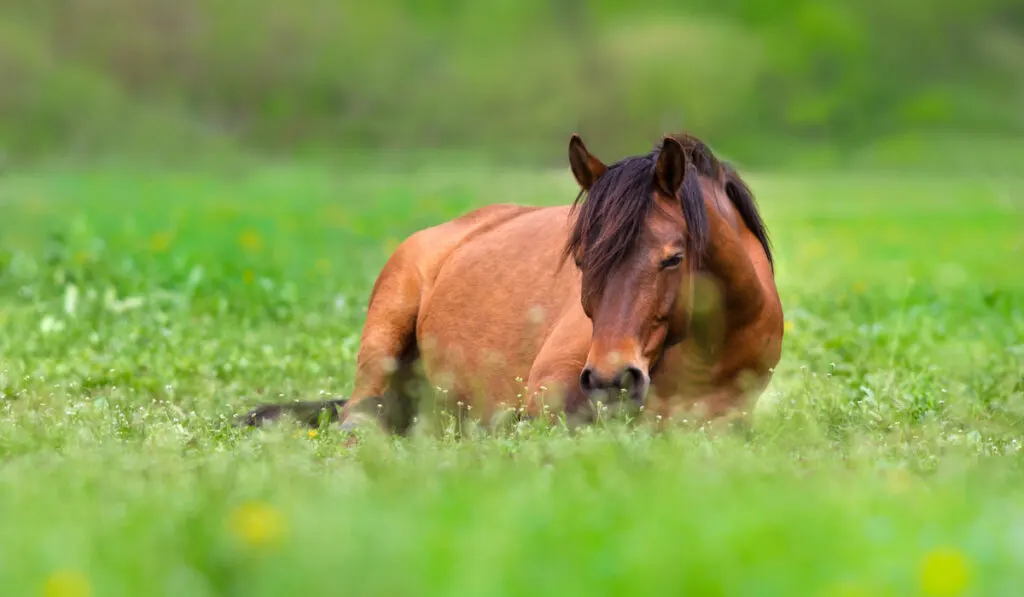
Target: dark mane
[(738, 192), (743, 200), (611, 220)]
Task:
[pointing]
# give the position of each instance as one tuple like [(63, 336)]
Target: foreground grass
[(141, 310)]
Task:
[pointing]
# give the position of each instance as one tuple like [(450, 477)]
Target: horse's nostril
[(630, 378), (587, 380), (634, 382)]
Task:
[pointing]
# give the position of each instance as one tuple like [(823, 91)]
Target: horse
[(670, 310)]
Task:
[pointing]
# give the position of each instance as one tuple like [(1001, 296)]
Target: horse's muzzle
[(632, 382)]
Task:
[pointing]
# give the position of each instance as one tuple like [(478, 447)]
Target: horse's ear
[(671, 167), (585, 167)]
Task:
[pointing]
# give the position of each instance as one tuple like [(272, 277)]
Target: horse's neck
[(729, 262)]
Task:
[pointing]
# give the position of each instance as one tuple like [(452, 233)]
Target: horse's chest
[(689, 378), (687, 371)]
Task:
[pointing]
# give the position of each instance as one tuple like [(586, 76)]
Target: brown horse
[(672, 301)]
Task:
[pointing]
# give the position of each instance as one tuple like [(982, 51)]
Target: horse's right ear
[(585, 167), (670, 169)]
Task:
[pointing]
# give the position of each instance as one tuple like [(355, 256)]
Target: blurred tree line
[(512, 77)]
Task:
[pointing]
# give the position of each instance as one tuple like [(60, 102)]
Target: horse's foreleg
[(554, 383), (550, 393)]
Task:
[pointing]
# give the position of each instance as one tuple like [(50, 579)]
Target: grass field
[(141, 309)]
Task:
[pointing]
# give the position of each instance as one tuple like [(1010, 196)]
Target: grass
[(142, 308)]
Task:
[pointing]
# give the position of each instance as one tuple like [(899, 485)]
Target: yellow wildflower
[(257, 524), (67, 583), (313, 433), (160, 241), (251, 240), (846, 589), (944, 572)]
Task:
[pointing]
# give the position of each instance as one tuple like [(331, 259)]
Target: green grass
[(141, 309)]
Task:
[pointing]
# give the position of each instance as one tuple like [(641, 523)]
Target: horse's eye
[(672, 261)]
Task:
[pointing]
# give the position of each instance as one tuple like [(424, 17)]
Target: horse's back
[(423, 252), (433, 245), (506, 256)]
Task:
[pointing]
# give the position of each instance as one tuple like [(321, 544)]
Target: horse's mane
[(611, 219)]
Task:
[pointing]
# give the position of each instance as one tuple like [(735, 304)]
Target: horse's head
[(642, 226)]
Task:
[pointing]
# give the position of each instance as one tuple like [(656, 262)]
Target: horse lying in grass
[(670, 305)]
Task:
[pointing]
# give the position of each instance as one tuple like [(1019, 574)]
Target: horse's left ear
[(671, 167), (585, 167)]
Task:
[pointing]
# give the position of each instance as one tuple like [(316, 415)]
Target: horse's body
[(497, 317)]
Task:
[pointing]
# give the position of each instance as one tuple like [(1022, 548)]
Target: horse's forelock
[(610, 217)]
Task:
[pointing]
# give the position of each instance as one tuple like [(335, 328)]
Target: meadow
[(143, 307)]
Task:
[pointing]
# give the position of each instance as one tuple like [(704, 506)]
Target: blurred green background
[(766, 82)]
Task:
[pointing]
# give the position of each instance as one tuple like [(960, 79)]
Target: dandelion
[(67, 583), (159, 242), (944, 572), (846, 589), (313, 433), (257, 524), (250, 240)]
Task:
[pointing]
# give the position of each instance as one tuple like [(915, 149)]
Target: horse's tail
[(307, 412)]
